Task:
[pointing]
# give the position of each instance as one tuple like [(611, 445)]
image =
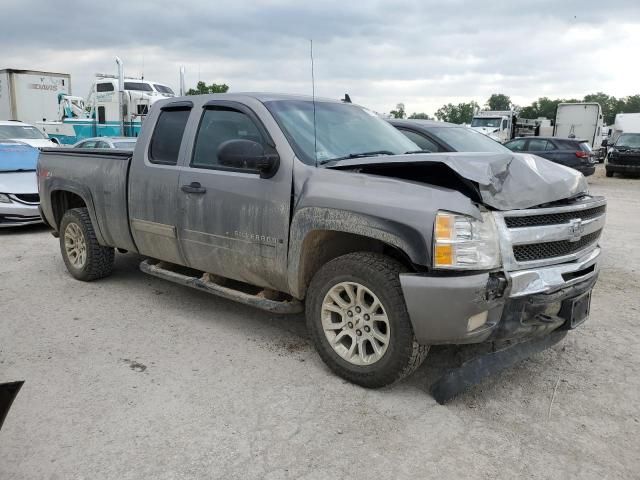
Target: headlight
[(461, 242), (4, 198)]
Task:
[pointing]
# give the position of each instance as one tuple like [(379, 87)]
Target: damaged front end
[(548, 229)]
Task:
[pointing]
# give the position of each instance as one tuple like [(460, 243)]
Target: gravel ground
[(133, 377)]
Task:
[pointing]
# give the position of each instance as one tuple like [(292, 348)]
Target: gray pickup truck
[(286, 204)]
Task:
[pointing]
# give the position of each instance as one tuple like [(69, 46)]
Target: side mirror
[(248, 155)]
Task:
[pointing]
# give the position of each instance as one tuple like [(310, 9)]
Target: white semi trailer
[(581, 121), (31, 96)]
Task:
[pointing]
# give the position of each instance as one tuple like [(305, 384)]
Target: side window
[(218, 125), (102, 144), (104, 87), (551, 146), (167, 136), (88, 144), (101, 115), (537, 145), (420, 140), (516, 146), (505, 124)]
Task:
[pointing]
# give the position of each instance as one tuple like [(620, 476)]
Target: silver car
[(121, 143), (19, 199)]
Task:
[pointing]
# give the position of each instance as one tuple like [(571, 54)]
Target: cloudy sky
[(421, 52)]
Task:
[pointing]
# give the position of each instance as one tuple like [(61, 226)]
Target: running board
[(204, 283), (470, 373)]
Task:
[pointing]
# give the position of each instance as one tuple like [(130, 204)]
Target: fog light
[(478, 320)]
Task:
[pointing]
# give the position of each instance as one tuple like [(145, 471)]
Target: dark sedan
[(434, 136), (572, 153)]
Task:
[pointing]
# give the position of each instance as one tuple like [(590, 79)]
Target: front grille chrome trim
[(571, 231)]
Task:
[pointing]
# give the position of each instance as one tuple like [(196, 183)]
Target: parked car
[(19, 197), (288, 203), (576, 154), (435, 137), (624, 155), (25, 133), (122, 143)]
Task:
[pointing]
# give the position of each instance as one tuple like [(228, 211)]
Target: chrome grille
[(27, 197), (546, 236), (538, 251), (554, 218)]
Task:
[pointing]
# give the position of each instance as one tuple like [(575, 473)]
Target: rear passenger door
[(538, 146), (153, 184), (233, 223)]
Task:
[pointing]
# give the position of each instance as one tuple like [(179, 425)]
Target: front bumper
[(586, 170), (18, 214), (520, 304), (625, 168)]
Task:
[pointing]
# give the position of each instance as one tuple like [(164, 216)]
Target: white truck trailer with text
[(31, 96)]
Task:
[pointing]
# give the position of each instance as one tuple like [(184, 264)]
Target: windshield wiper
[(411, 152), (357, 155)]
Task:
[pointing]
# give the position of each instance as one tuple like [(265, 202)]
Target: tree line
[(542, 107)]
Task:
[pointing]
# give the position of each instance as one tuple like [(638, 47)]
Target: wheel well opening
[(61, 201), (322, 246)]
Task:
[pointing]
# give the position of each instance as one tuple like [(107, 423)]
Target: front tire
[(84, 257), (358, 320), (608, 173)]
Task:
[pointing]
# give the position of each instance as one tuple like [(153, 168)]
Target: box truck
[(31, 96), (581, 121)]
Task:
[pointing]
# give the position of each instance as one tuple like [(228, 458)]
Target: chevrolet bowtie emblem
[(576, 229)]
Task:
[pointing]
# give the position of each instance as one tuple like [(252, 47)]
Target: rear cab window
[(167, 135)]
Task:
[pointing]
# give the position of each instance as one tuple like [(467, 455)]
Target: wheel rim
[(75, 245), (355, 323)]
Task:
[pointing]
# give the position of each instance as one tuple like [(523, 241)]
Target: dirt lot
[(133, 377)]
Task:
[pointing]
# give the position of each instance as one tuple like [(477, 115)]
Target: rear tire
[(84, 257), (368, 345)]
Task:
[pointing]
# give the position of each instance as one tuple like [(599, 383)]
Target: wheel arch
[(319, 236), (66, 197)]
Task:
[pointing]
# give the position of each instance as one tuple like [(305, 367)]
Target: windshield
[(163, 88), (462, 139), (342, 129), (20, 131), (629, 140), (486, 122), (125, 145), (142, 87)]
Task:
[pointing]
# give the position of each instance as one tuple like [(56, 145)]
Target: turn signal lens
[(444, 254)]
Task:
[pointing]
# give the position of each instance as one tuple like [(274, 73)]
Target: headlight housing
[(4, 198), (461, 242)]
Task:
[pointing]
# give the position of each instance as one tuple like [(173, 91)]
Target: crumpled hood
[(506, 181)]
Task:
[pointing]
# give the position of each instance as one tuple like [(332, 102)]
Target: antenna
[(313, 99)]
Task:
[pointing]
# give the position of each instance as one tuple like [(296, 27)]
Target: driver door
[(233, 223)]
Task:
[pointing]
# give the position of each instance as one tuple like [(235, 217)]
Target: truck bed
[(99, 178)]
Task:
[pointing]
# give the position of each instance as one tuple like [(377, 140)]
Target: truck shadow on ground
[(284, 335)]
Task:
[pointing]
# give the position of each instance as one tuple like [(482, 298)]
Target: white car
[(19, 199), (25, 133), (121, 143)]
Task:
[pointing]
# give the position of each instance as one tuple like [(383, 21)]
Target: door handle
[(193, 187)]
